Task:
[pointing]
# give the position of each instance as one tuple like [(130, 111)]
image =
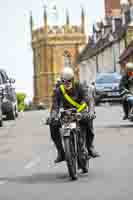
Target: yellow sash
[(78, 106)]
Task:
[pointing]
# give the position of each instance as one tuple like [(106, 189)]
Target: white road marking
[(3, 182), (32, 163)]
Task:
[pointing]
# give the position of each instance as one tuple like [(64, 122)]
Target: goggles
[(130, 73), (67, 82)]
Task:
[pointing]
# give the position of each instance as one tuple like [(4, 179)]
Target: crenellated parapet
[(56, 35), (65, 31)]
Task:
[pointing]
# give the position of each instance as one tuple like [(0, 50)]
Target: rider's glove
[(84, 117), (47, 122), (54, 118), (124, 92), (92, 115), (87, 116)]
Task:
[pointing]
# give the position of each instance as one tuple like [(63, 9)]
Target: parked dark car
[(9, 100), (107, 87), (1, 117)]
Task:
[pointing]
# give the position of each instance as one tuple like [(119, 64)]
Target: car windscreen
[(107, 79)]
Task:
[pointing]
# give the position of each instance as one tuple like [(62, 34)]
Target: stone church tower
[(54, 48)]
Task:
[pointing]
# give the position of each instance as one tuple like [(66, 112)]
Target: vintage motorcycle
[(129, 97), (70, 132), (130, 106)]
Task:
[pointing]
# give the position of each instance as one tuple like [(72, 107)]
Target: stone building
[(102, 55), (109, 39), (54, 47)]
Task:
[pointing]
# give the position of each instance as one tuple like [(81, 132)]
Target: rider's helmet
[(129, 68), (67, 76)]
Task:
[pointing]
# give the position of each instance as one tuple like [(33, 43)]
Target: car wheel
[(1, 119), (16, 113), (12, 114), (1, 123)]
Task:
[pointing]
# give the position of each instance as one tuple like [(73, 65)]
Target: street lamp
[(111, 39)]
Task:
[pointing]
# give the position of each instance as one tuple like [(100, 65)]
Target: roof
[(92, 49)]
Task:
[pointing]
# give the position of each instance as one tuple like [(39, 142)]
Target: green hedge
[(20, 101)]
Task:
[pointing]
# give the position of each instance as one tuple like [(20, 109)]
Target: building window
[(67, 59)]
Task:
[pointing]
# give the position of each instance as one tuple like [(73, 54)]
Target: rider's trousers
[(86, 136)]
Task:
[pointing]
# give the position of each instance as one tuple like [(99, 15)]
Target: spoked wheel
[(71, 158)]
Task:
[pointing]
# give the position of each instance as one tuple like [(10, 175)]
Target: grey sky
[(15, 49)]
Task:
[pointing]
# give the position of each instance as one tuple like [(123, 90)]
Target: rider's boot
[(60, 156), (85, 170), (93, 153), (125, 109), (60, 152), (125, 117), (55, 135)]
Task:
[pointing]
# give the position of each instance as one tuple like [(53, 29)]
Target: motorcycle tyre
[(71, 159)]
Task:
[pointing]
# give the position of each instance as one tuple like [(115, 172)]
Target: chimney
[(125, 11)]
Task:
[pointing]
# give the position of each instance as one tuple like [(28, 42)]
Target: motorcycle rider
[(90, 133), (76, 92), (126, 85)]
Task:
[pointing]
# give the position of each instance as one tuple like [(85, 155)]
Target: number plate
[(72, 125), (113, 93), (65, 130)]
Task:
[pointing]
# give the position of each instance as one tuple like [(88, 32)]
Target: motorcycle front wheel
[(71, 158)]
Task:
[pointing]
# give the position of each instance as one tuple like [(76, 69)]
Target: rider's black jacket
[(126, 83), (78, 94)]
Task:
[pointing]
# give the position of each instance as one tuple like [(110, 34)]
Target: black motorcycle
[(70, 132), (129, 98), (130, 106)]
